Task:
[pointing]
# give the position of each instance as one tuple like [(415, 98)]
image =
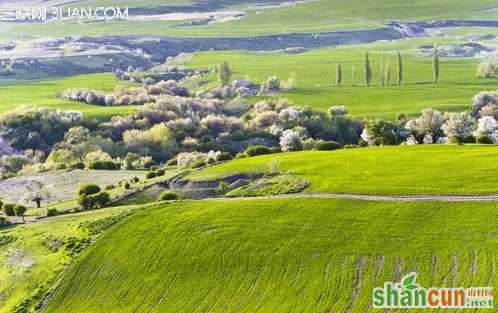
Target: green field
[(29, 265), (44, 93), (315, 73), (405, 170), (314, 16), (278, 256)]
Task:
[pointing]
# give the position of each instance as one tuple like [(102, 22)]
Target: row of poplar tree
[(385, 70)]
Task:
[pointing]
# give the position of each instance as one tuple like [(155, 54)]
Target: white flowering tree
[(36, 191), (427, 128), (486, 130), (291, 141), (458, 126)]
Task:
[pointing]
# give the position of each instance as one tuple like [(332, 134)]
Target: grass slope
[(315, 72), (278, 256), (402, 170), (18, 279), (44, 93)]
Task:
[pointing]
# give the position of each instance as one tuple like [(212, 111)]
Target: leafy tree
[(388, 72), (88, 189), (8, 209), (381, 132), (339, 74), (36, 191), (435, 65), (19, 211), (224, 74), (400, 68), (368, 69)]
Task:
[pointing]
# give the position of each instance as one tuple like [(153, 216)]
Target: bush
[(135, 180), (484, 139), (3, 220), (160, 173), (173, 162), (257, 150), (52, 212), (199, 164), (77, 165), (240, 155), (127, 185), (168, 196), (110, 187), (224, 156), (88, 189), (19, 210), (104, 165), (93, 202), (327, 146), (8, 209), (151, 175)]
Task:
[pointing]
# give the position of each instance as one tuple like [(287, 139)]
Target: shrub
[(211, 161), (135, 180), (93, 202), (484, 139), (327, 146), (104, 165), (52, 212), (77, 165), (199, 164), (110, 187), (173, 162), (126, 185), (291, 141), (168, 196), (160, 173), (240, 155), (3, 220), (150, 175), (224, 156), (19, 210), (8, 209), (257, 150), (88, 189)]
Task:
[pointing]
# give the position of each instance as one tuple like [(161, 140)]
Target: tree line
[(386, 77)]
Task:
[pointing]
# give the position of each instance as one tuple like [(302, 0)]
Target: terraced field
[(278, 256), (409, 170)]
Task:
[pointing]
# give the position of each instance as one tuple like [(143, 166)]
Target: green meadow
[(394, 170), (278, 256), (315, 73), (45, 93)]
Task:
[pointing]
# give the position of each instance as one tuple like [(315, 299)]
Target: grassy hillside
[(315, 72), (44, 93), (32, 256), (278, 256), (314, 16), (402, 170)]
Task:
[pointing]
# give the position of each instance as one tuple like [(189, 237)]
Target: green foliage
[(224, 74), (160, 172), (52, 212), (126, 185), (327, 146), (224, 156), (338, 74), (198, 164), (19, 210), (400, 67), (151, 175), (435, 65), (368, 69), (484, 139), (8, 209), (93, 202), (88, 189), (104, 165), (75, 245), (6, 239), (257, 150), (172, 162), (385, 132), (168, 196)]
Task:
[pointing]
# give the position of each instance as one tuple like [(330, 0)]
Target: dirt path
[(412, 198)]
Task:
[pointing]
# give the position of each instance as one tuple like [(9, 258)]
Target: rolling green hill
[(313, 16), (44, 93), (278, 256), (315, 73), (401, 170)]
